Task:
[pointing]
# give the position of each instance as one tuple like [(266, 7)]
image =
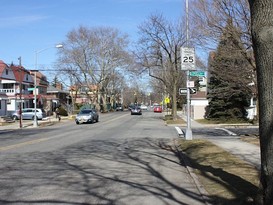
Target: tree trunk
[(174, 102), (262, 34)]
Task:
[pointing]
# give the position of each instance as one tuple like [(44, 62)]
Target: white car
[(143, 107), (29, 113), (87, 116)]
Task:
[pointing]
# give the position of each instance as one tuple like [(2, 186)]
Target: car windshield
[(85, 112)]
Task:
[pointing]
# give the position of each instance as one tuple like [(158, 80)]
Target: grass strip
[(228, 179)]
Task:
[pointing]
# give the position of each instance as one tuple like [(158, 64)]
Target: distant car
[(143, 107), (136, 110), (158, 109), (119, 108), (87, 116), (29, 114)]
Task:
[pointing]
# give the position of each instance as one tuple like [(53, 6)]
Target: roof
[(78, 86), (3, 96), (52, 89), (19, 72), (3, 66)]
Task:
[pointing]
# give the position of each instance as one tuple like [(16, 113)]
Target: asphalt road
[(122, 159)]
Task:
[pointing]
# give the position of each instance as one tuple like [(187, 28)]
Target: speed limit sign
[(187, 58)]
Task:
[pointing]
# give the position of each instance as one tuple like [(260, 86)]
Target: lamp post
[(35, 124)]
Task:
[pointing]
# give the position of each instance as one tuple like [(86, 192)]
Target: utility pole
[(20, 84), (188, 130)]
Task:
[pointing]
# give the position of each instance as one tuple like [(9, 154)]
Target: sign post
[(188, 65)]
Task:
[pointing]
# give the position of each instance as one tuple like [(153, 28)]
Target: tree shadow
[(244, 192), (120, 171)]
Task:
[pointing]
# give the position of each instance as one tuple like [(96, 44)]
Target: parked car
[(119, 107), (29, 113), (157, 109), (143, 107), (87, 116)]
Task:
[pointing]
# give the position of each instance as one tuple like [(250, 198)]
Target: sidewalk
[(29, 123), (246, 151)]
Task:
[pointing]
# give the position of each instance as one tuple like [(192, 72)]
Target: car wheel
[(14, 117), (97, 119)]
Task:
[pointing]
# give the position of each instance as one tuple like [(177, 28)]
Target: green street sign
[(30, 89), (197, 73)]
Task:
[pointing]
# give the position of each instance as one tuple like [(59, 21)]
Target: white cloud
[(9, 22)]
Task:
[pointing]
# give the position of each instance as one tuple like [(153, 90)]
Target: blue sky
[(27, 26)]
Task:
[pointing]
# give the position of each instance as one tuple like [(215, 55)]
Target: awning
[(3, 97), (8, 81)]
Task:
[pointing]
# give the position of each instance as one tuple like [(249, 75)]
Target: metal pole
[(21, 80), (35, 91), (187, 23), (35, 123), (188, 130)]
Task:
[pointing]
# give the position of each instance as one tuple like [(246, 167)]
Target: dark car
[(87, 116), (119, 107), (130, 107), (136, 110)]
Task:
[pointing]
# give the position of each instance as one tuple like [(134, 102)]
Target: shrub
[(62, 111)]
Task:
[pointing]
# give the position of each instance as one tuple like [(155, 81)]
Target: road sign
[(187, 58), (197, 73), (182, 91), (190, 84), (30, 89), (193, 91)]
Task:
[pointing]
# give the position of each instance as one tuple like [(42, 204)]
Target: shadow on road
[(135, 171)]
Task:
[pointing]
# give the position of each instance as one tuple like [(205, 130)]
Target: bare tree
[(159, 53), (92, 56), (262, 34)]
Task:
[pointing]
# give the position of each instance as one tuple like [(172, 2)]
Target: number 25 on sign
[(187, 58)]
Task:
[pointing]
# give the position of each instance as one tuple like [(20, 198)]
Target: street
[(122, 159)]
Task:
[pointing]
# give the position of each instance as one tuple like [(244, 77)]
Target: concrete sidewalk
[(29, 123), (246, 151)]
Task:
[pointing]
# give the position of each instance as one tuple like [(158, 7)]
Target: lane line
[(228, 131), (5, 148), (9, 147)]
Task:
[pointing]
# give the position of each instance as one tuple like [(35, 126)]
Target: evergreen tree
[(55, 82), (228, 88)]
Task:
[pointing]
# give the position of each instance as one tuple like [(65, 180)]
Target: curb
[(204, 194), (46, 122)]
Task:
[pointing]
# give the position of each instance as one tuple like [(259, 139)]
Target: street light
[(35, 80)]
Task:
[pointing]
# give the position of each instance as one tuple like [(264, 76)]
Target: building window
[(7, 86), (7, 71)]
